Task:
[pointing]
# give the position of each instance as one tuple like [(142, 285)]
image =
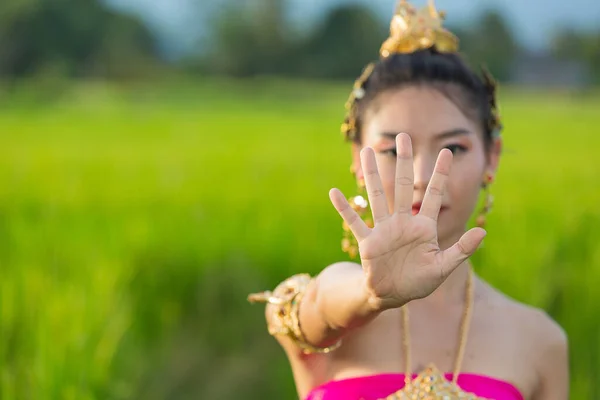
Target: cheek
[(464, 185)]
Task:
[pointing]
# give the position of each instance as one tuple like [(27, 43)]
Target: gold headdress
[(412, 30)]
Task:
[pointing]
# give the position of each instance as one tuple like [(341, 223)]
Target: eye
[(456, 148), (390, 152)]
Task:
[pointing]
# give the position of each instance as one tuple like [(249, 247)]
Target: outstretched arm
[(333, 303), (400, 257)]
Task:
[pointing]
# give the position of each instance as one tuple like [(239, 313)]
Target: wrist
[(373, 304), (376, 304)]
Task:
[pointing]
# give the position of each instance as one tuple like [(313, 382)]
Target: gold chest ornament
[(431, 384)]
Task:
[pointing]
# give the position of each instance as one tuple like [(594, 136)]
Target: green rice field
[(135, 219)]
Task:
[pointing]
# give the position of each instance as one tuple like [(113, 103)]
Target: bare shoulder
[(534, 324), (541, 338), (546, 332), (343, 268), (549, 350)]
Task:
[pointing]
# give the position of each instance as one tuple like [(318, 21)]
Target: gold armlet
[(286, 299)]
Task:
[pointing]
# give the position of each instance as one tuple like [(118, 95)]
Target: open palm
[(400, 254)]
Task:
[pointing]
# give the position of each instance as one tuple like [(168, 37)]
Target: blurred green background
[(142, 198)]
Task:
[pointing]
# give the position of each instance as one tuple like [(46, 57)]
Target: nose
[(423, 170)]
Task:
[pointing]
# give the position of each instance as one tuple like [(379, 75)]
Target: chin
[(449, 232)]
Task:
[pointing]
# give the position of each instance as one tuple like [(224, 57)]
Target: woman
[(425, 140)]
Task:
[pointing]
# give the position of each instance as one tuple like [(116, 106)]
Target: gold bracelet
[(286, 299)]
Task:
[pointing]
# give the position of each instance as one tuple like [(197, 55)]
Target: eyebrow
[(443, 135)]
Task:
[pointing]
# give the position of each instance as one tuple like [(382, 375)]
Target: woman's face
[(433, 122)]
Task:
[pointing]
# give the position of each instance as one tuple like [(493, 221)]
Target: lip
[(417, 207)]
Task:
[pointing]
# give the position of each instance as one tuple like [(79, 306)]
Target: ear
[(494, 156), (356, 165)]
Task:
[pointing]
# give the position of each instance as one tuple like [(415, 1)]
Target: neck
[(452, 291)]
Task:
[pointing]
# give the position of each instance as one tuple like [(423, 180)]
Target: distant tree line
[(580, 46), (75, 38), (84, 38), (254, 39)]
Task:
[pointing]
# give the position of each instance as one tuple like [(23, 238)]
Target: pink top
[(381, 386)]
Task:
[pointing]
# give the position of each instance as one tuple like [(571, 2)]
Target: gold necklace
[(431, 384)]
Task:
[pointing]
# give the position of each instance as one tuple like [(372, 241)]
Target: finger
[(435, 190), (463, 249), (377, 199), (359, 229), (405, 177)]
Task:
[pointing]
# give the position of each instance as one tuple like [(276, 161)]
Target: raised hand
[(400, 255)]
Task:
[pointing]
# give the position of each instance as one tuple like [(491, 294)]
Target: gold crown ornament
[(412, 30)]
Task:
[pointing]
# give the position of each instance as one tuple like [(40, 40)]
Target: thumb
[(463, 249)]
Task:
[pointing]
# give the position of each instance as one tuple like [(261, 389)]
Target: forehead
[(421, 111)]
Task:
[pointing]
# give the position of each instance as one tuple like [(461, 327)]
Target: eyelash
[(457, 150), (460, 148)]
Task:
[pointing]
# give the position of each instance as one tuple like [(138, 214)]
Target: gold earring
[(360, 204), (488, 202)]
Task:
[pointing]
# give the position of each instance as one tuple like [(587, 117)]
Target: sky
[(181, 24)]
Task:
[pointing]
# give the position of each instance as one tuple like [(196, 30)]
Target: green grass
[(134, 221)]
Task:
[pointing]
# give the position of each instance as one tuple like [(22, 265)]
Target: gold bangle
[(285, 321)]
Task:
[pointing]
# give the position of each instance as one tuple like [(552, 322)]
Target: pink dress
[(380, 386)]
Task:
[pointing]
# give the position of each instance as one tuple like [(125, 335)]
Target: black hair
[(446, 72)]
